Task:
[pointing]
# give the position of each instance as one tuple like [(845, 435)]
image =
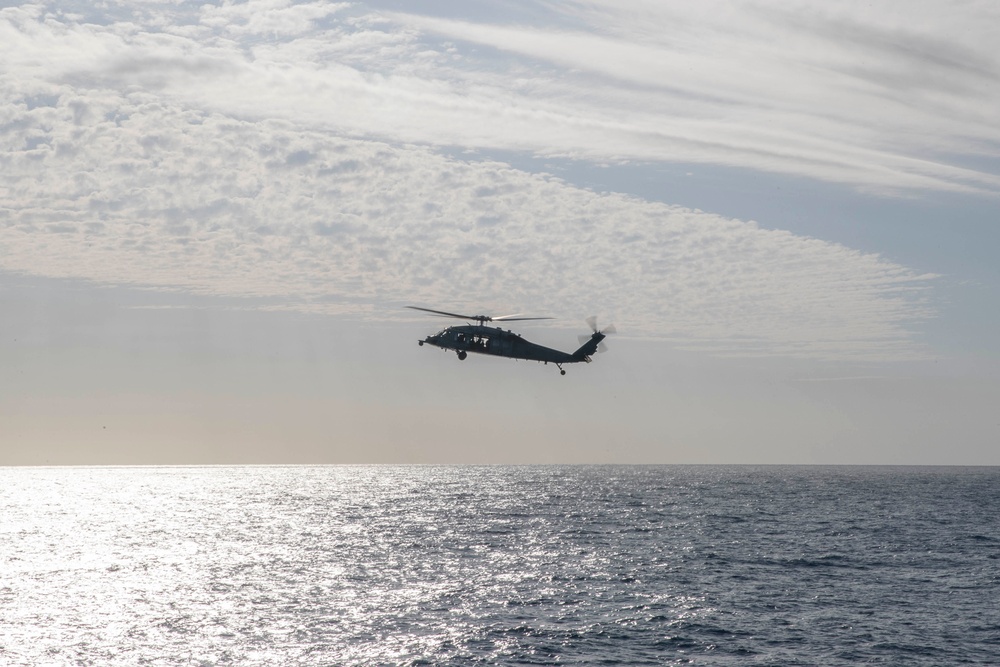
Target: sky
[(213, 214)]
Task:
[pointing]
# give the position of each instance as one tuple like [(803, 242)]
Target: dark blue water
[(500, 565)]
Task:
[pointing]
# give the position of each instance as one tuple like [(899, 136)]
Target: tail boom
[(588, 348)]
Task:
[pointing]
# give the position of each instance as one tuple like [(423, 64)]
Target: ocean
[(504, 565)]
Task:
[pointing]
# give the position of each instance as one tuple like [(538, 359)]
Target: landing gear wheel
[(462, 355), (562, 372)]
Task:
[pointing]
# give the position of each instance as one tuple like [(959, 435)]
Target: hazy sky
[(212, 215)]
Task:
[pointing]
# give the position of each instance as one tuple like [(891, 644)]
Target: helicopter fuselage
[(494, 341)]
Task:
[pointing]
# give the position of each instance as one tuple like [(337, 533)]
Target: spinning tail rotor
[(594, 342), (599, 334), (592, 322)]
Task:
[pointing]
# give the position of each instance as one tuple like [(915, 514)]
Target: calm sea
[(500, 566)]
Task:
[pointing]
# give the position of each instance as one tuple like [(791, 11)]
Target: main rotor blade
[(446, 314), (479, 318), (514, 318)]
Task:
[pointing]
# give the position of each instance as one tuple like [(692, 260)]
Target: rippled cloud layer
[(292, 151)]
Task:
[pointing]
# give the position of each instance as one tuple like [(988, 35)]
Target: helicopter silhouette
[(494, 341)]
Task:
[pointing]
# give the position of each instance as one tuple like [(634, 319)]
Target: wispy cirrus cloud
[(847, 93)]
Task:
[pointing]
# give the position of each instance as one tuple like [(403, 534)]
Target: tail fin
[(589, 348)]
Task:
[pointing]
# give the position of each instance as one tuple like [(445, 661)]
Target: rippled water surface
[(499, 565)]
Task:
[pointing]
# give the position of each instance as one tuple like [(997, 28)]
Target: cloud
[(839, 94), (290, 152), (272, 19), (848, 93), (128, 188)]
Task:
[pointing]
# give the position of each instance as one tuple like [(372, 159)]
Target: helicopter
[(482, 339)]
